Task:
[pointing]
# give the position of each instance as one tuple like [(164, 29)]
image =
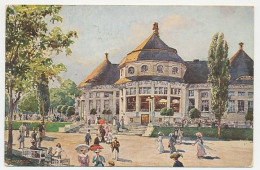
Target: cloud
[(178, 22)]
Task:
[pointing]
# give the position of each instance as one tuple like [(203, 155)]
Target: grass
[(50, 126), (230, 133)]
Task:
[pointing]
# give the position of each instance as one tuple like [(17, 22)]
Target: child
[(109, 137)]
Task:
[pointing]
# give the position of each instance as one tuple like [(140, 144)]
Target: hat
[(97, 151), (111, 163), (198, 134), (115, 137), (160, 134), (176, 155)]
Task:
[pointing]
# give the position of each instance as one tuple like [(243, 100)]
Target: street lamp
[(150, 99)]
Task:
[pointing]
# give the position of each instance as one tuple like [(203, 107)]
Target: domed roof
[(153, 48)]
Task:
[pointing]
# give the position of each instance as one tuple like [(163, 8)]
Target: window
[(90, 104), (90, 95), (204, 105), (117, 93), (250, 94), (144, 68), (240, 94), (165, 90), (241, 106), (231, 93), (130, 105), (231, 106), (130, 91), (121, 71), (191, 104), (204, 94), (131, 70), (191, 93), (106, 104), (160, 102), (176, 91), (98, 105), (145, 90), (160, 90), (175, 70), (250, 105), (159, 69), (106, 94), (98, 94)]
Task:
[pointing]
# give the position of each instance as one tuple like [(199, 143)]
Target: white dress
[(160, 144)]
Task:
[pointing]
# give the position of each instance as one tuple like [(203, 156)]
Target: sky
[(120, 29)]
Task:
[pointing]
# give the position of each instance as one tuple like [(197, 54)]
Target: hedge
[(50, 126), (228, 134)]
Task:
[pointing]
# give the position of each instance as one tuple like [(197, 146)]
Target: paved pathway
[(142, 151)]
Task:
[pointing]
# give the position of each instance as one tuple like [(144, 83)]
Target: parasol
[(95, 147), (80, 147), (101, 121)]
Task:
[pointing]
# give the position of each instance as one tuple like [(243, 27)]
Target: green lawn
[(230, 133), (50, 126)]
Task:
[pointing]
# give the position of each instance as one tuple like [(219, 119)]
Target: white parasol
[(80, 147)]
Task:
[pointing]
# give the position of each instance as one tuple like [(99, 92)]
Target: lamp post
[(150, 99)]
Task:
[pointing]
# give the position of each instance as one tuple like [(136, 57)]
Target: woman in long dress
[(200, 148), (83, 158), (160, 144)]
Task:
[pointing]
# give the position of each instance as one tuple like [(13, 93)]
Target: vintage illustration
[(129, 86)]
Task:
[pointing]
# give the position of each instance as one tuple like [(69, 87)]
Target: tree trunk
[(42, 111), (219, 119), (10, 130)]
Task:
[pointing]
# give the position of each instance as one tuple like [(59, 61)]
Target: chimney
[(106, 56), (156, 28), (241, 45)]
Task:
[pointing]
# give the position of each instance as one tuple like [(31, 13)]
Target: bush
[(231, 133), (59, 108), (64, 109), (194, 113)]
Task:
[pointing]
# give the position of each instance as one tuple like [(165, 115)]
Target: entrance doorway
[(144, 119)]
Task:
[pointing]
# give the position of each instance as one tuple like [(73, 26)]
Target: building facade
[(154, 76)]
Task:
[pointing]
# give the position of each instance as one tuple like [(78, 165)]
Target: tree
[(194, 113), (65, 94), (218, 63), (249, 115), (93, 112), (29, 103), (70, 111), (29, 48), (64, 109), (107, 112)]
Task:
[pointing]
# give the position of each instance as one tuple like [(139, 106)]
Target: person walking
[(27, 129), (180, 135), (22, 128), (21, 139), (115, 148), (176, 135), (160, 143), (109, 137), (89, 122), (83, 158), (172, 142), (102, 133), (122, 122), (33, 135), (175, 157), (117, 126), (98, 160), (200, 148), (88, 137), (96, 140), (38, 139)]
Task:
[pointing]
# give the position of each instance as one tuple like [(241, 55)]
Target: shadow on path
[(124, 160), (49, 138), (186, 143), (179, 150), (210, 157)]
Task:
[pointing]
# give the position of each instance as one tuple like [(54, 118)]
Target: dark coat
[(96, 141), (177, 163)]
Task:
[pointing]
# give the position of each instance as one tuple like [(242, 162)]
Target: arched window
[(175, 70), (131, 70), (144, 68), (159, 69)]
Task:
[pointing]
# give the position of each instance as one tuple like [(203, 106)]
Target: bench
[(36, 154), (55, 161)]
